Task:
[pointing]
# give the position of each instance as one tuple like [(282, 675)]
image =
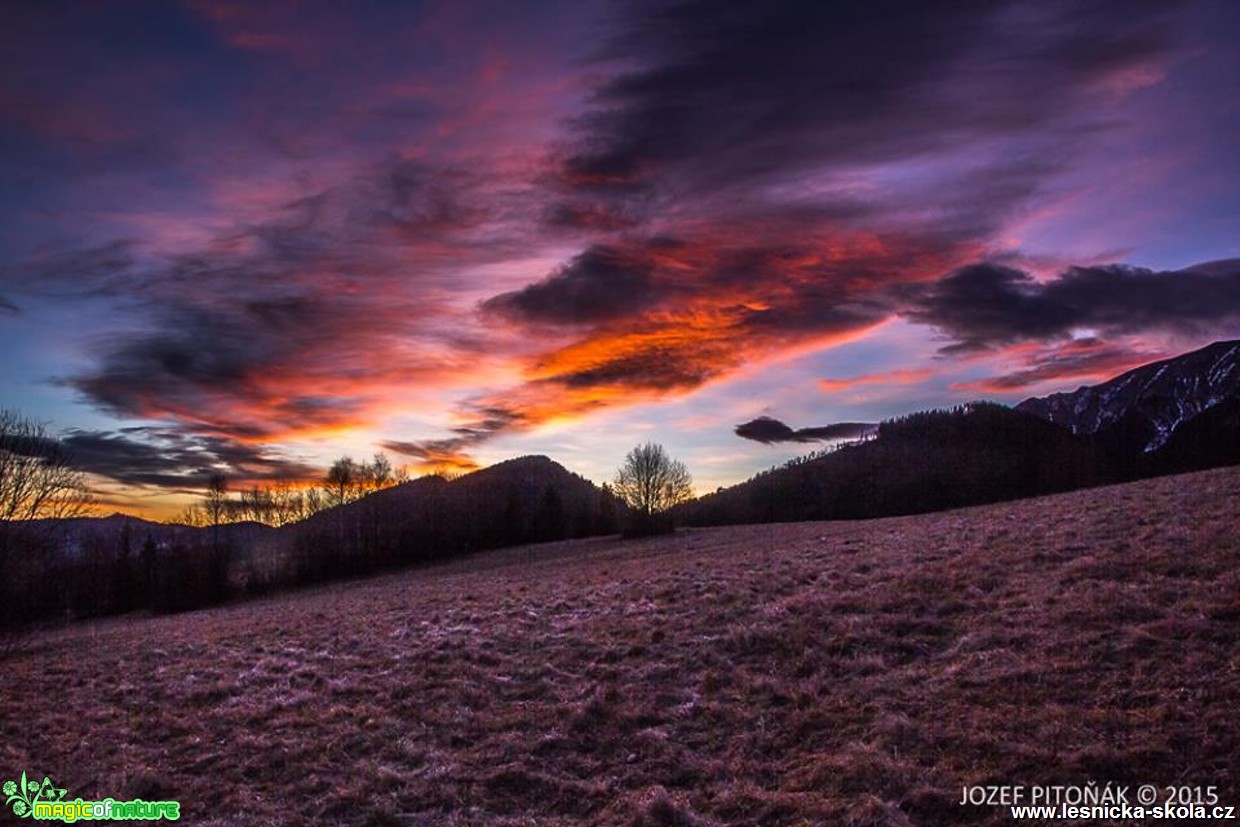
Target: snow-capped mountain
[(1148, 404)]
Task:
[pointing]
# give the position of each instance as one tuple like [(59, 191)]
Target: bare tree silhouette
[(651, 483), (37, 477), (39, 488)]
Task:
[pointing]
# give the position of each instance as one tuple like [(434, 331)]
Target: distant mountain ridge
[(84, 534), (1175, 415), (1149, 404), (530, 492)]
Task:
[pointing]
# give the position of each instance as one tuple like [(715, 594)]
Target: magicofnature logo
[(23, 795), (46, 802)]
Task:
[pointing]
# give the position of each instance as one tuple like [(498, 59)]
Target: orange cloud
[(428, 459), (646, 320), (894, 377)]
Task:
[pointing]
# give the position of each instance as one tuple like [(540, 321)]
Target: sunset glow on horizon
[(250, 238)]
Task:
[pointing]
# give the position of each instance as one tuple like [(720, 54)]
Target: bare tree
[(348, 480), (311, 503), (651, 483), (341, 480), (257, 504), (288, 505), (283, 502), (192, 515), (377, 474), (37, 482), (37, 477), (215, 501)]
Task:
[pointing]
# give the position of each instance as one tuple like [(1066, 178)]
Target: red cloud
[(1081, 360)]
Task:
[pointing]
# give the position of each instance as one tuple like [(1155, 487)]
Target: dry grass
[(818, 673)]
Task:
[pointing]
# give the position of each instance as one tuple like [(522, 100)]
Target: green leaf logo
[(22, 795)]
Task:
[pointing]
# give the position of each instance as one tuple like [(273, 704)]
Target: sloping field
[(816, 673)]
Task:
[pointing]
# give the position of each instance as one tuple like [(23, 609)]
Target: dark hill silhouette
[(523, 500), (976, 453), (86, 535)]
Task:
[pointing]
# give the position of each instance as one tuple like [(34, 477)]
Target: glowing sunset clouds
[(251, 237)]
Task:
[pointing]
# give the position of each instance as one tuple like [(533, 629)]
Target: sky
[(254, 237)]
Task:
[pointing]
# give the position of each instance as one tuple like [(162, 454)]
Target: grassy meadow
[(852, 673)]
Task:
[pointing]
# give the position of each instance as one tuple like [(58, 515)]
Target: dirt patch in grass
[(814, 673)]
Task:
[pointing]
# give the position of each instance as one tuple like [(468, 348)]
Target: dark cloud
[(652, 369), (730, 96), (288, 324), (7, 306), (766, 430), (757, 88), (759, 289), (602, 283), (211, 365), (585, 216), (839, 430), (763, 175), (451, 454), (987, 305), (28, 445), (165, 458)]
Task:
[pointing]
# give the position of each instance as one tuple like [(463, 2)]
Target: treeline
[(88, 568), (972, 454), (968, 455), (284, 502), (81, 568)]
